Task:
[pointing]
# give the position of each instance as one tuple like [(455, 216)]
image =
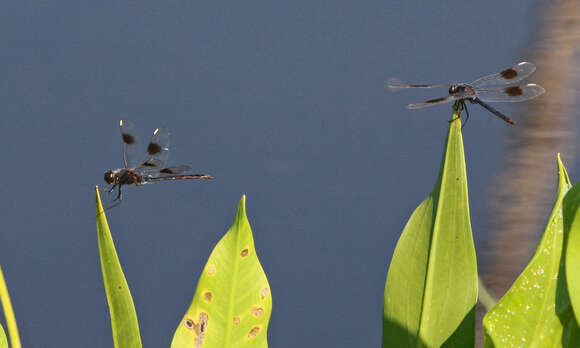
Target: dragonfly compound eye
[(109, 177)]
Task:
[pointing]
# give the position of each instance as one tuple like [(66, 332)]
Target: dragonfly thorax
[(123, 176), (461, 90)]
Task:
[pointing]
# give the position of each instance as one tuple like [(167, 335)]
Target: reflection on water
[(523, 191)]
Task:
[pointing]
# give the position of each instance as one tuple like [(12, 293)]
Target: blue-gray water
[(284, 102)]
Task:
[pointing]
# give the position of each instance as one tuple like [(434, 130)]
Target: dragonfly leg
[(466, 114), (117, 200), (108, 190), (119, 196), (460, 105)]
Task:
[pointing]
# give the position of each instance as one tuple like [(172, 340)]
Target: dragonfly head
[(109, 177), (456, 88)]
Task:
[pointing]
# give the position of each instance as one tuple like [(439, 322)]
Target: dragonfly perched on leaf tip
[(491, 88), (152, 169)]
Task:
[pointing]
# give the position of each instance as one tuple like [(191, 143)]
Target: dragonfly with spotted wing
[(152, 169), (490, 88)]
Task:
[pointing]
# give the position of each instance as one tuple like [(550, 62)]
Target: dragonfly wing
[(157, 151), (432, 102), (174, 170), (394, 83), (130, 143), (510, 94), (511, 75)]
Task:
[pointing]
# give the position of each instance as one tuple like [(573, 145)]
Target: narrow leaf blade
[(431, 287), (232, 303), (124, 322), (9, 313), (530, 314)]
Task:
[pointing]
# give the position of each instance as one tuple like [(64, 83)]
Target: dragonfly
[(152, 169), (492, 88)]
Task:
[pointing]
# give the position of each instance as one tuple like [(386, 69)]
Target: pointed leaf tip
[(100, 209), (242, 207), (538, 295)]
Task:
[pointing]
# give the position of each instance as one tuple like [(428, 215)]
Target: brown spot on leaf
[(198, 328), (236, 320), (244, 252), (128, 138), (208, 296), (509, 73), (513, 91), (257, 311), (264, 293), (188, 323), (253, 332)]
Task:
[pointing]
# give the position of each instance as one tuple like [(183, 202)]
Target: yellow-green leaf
[(572, 259), (535, 312), (232, 303), (8, 314), (123, 316), (3, 340), (431, 288)]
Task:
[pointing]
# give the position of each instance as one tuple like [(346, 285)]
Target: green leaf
[(535, 311), (123, 316), (3, 340), (431, 288), (232, 303), (8, 314), (572, 230)]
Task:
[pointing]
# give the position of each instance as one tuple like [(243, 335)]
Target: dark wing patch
[(152, 163), (513, 91), (509, 73), (175, 169), (157, 150), (130, 143), (438, 100), (128, 138), (153, 148)]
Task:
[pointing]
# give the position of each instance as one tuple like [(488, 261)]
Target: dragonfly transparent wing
[(432, 102), (510, 94), (130, 143), (511, 75), (157, 151), (394, 83)]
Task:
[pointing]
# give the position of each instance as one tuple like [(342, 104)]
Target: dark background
[(282, 101)]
